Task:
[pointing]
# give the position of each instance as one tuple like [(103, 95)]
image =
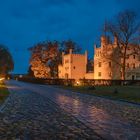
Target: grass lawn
[(128, 93), (3, 92)]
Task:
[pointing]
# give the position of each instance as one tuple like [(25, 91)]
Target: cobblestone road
[(44, 112)]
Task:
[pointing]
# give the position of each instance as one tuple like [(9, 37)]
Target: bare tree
[(125, 27)]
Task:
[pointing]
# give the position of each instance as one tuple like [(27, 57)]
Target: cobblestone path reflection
[(40, 111)]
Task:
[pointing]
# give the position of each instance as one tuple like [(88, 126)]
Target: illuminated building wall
[(73, 66), (107, 62), (133, 66)]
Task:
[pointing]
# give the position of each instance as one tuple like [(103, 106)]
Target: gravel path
[(44, 112)]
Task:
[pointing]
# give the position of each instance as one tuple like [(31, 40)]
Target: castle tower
[(104, 41), (74, 66), (115, 42), (104, 66)]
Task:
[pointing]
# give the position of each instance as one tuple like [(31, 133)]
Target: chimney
[(70, 51), (115, 41), (63, 57), (86, 57), (95, 48)]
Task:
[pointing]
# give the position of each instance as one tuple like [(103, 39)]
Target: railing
[(51, 81), (92, 82), (72, 82)]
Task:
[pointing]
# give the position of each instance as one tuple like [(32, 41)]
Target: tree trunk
[(124, 63), (123, 70)]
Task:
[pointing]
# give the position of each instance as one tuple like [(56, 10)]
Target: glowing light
[(20, 76), (77, 83), (1, 79)]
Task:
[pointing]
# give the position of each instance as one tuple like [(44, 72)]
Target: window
[(133, 65), (99, 64), (99, 74), (110, 74), (66, 61), (127, 65), (133, 77), (66, 68), (109, 64), (134, 56), (74, 67)]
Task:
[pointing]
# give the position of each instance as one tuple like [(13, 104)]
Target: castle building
[(74, 66), (107, 61), (133, 66)]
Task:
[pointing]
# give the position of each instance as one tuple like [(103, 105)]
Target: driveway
[(44, 112)]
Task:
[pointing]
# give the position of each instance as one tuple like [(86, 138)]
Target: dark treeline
[(6, 61)]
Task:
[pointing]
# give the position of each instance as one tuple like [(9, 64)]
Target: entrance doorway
[(133, 77)]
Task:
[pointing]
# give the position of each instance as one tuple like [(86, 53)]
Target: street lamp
[(1, 80)]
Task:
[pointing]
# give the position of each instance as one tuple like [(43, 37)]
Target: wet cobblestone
[(30, 116), (109, 119)]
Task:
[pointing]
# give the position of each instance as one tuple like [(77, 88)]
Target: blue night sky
[(23, 23)]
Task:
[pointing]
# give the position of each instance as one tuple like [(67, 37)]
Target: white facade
[(74, 66)]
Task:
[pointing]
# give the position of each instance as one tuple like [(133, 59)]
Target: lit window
[(99, 74), (100, 64)]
